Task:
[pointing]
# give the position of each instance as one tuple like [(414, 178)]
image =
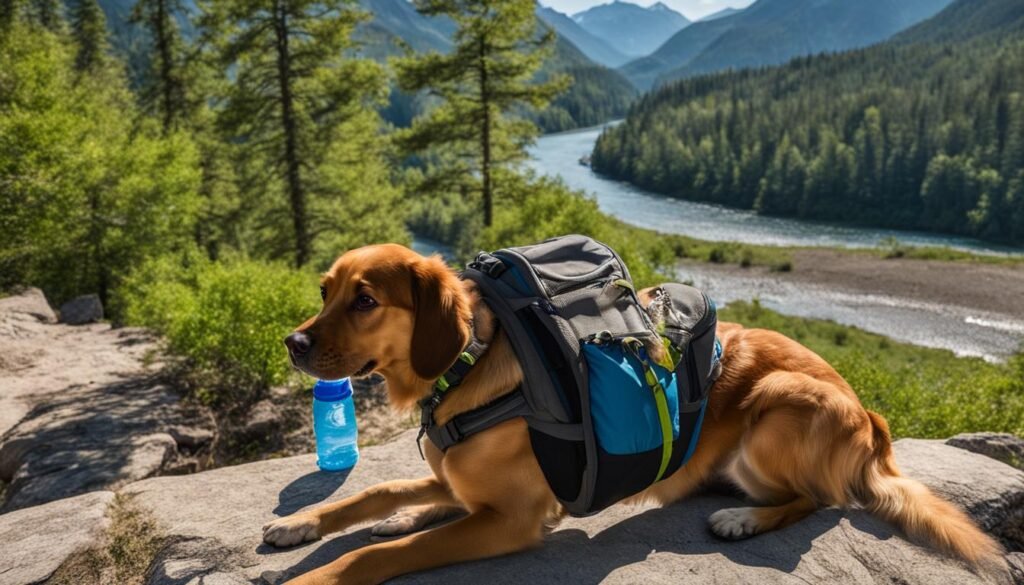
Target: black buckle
[(454, 435), (488, 264)]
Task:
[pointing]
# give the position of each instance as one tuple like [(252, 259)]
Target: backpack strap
[(465, 424), (481, 418)]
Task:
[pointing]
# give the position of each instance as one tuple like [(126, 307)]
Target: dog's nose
[(298, 343)]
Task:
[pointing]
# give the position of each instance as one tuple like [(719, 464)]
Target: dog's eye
[(323, 292), (364, 303)]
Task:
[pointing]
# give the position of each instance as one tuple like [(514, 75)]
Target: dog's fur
[(781, 424)]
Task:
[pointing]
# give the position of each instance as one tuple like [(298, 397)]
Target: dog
[(781, 424)]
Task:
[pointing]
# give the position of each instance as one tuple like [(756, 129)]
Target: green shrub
[(746, 258), (717, 255), (922, 392), (227, 317)]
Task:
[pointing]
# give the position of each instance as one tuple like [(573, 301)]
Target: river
[(559, 154), (966, 328)]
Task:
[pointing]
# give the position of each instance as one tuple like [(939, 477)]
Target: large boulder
[(1002, 446), (82, 310), (30, 302), (217, 537), (36, 541)]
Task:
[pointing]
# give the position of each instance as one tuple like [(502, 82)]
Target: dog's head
[(386, 309)]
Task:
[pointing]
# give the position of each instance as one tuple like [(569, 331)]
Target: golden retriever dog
[(781, 424)]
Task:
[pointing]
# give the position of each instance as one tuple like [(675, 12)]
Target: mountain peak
[(659, 7)]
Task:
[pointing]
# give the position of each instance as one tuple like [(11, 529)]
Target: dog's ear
[(441, 330)]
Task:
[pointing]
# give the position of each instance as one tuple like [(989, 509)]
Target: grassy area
[(922, 392), (780, 258), (777, 258), (129, 546)]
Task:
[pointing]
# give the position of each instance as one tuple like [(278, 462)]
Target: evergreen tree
[(483, 83), (89, 27), (49, 14), (296, 96), (165, 92)]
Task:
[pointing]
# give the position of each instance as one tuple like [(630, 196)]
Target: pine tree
[(293, 95), (483, 83), (165, 93), (89, 27), (49, 14), (10, 12)]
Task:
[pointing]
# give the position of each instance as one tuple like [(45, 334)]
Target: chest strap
[(466, 424)]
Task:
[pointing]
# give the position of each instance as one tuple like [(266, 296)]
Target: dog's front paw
[(734, 523), (291, 530)]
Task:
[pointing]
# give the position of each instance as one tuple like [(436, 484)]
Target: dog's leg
[(739, 523), (483, 533), (414, 519), (374, 503)]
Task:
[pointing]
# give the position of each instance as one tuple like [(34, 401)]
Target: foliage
[(922, 392), (85, 194), (878, 136), (487, 76), (228, 317)]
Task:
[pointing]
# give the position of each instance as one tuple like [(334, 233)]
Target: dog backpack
[(605, 420)]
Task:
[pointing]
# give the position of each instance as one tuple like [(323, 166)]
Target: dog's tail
[(920, 513)]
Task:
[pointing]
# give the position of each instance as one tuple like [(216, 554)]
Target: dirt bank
[(988, 287)]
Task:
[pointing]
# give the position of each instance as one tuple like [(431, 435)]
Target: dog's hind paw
[(734, 523), (291, 530)]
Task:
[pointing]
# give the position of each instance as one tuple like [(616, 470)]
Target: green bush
[(227, 317), (922, 392)]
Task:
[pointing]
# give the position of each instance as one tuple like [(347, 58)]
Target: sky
[(691, 9)]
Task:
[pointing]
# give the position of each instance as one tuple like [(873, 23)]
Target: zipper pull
[(546, 306)]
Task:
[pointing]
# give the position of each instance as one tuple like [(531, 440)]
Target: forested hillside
[(771, 32), (925, 131)]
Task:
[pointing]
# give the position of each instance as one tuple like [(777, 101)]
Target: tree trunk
[(296, 194), (485, 138)]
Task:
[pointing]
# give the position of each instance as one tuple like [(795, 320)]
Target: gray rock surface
[(81, 408), (1002, 446), (82, 310), (218, 532), (35, 541), (28, 302)]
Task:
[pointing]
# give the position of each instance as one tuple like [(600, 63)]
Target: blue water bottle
[(334, 423)]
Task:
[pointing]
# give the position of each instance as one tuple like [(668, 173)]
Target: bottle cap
[(332, 390)]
